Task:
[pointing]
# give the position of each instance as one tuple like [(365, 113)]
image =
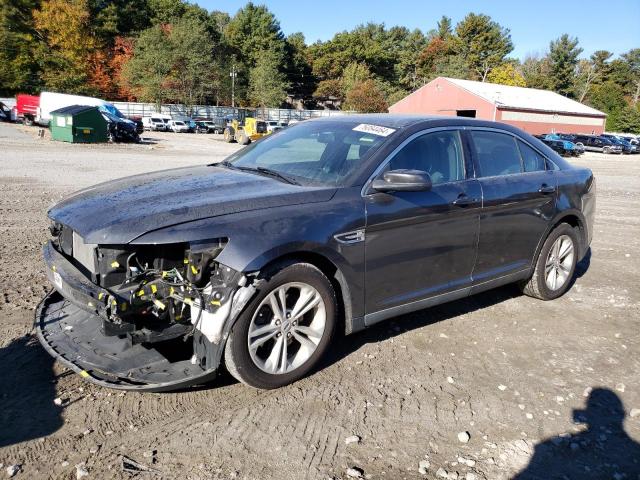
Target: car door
[(519, 195), (422, 244)]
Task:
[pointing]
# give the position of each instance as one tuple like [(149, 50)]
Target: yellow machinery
[(245, 131)]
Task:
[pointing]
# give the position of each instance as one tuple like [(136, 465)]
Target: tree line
[(167, 51)]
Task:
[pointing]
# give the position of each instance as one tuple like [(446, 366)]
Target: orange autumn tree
[(106, 70), (122, 53)]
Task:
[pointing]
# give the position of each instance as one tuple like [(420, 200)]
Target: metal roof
[(506, 96)]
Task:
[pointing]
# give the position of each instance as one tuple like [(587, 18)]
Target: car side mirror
[(403, 181)]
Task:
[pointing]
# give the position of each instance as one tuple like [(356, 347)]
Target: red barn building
[(535, 111)]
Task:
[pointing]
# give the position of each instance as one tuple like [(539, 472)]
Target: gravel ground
[(481, 388)]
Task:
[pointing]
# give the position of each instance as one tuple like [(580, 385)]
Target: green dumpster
[(78, 124)]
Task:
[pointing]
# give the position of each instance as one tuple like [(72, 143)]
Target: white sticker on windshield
[(374, 129)]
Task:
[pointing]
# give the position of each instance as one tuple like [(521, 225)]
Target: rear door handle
[(463, 201), (544, 188)]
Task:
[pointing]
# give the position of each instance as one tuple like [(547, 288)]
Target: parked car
[(256, 261), (5, 113), (579, 147), (178, 126), (155, 124), (627, 147), (273, 126), (203, 127), (558, 146), (598, 144), (139, 124), (568, 147), (120, 130)]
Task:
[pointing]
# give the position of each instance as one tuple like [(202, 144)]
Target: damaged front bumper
[(72, 320)]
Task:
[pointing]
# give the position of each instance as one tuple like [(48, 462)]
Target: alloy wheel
[(286, 328), (559, 262)]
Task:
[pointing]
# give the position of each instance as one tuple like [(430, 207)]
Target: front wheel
[(285, 329), (555, 265)]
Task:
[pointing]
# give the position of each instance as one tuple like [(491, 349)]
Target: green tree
[(174, 64), (444, 28), (586, 75), (111, 18), (354, 74), (252, 31), (607, 96), (366, 97), (632, 59), (482, 43), (563, 60), (17, 40), (506, 74), (298, 71), (625, 119), (601, 66), (267, 85), (536, 72)]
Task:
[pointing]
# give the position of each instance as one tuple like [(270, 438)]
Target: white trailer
[(50, 101)]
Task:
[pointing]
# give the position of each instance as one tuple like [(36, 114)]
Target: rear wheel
[(555, 265), (284, 330)]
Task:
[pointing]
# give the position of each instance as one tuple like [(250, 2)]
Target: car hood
[(119, 211)]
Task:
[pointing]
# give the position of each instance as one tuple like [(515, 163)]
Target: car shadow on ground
[(393, 327), (27, 392), (603, 450)]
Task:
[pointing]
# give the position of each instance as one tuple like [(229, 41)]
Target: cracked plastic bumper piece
[(73, 336)]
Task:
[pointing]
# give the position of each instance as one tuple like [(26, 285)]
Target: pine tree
[(563, 60)]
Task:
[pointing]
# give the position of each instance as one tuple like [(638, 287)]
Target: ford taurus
[(323, 228)]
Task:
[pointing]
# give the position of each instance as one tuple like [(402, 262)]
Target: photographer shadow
[(602, 451)]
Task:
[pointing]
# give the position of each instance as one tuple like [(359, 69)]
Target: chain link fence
[(137, 109)]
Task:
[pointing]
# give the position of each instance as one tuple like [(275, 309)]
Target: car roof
[(403, 121)]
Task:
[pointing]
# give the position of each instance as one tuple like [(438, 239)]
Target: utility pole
[(233, 74)]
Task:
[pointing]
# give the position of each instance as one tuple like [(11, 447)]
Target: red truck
[(27, 108)]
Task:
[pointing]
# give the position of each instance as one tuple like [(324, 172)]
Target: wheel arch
[(571, 217), (331, 271)]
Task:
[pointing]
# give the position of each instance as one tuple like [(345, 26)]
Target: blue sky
[(612, 25)]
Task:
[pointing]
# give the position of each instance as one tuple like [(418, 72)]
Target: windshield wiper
[(273, 173), (261, 170)]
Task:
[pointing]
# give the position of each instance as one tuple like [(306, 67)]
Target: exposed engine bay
[(161, 310)]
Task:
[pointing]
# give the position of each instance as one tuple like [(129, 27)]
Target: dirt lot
[(505, 368)]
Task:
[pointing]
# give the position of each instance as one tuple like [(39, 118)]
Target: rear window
[(531, 159), (497, 153)]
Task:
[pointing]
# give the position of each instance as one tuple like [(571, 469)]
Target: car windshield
[(179, 123), (316, 153), (107, 107)]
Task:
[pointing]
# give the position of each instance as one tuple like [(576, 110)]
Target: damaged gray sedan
[(325, 227)]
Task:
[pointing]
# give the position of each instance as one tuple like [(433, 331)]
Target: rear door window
[(531, 159), (496, 153)]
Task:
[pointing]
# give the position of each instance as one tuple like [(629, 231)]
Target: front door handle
[(544, 188), (463, 201)]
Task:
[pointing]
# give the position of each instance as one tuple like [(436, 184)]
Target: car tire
[(301, 340), (555, 265), (228, 135), (243, 138)]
